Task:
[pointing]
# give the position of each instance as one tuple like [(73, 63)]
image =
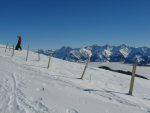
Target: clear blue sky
[(76, 23)]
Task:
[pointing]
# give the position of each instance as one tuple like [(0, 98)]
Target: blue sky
[(76, 23)]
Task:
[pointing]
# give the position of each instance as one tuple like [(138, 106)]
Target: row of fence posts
[(13, 51), (27, 55), (86, 66)]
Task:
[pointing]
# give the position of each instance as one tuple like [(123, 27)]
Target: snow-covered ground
[(29, 87)]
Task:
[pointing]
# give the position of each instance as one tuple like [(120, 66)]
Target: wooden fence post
[(86, 65), (6, 47), (27, 54), (38, 55), (13, 51), (9, 48), (132, 80), (50, 55)]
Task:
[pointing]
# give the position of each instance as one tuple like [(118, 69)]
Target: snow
[(29, 87)]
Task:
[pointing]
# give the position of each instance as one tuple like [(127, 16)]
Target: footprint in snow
[(71, 111)]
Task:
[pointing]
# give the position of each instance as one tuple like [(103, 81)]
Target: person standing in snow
[(18, 46)]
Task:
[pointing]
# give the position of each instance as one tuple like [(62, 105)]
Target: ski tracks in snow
[(13, 100), (31, 107), (37, 106), (8, 97)]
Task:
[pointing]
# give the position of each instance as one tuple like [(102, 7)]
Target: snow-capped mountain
[(140, 55), (121, 53), (110, 53), (67, 53)]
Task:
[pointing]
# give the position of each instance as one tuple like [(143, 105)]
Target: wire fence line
[(84, 70)]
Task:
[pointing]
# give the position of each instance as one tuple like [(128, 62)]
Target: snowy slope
[(29, 87)]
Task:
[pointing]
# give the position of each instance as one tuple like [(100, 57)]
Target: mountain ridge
[(105, 53)]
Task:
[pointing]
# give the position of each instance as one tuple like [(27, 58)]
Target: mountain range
[(106, 53)]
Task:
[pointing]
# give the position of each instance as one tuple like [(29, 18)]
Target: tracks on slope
[(8, 98)]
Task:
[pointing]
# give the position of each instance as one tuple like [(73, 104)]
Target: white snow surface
[(29, 87)]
